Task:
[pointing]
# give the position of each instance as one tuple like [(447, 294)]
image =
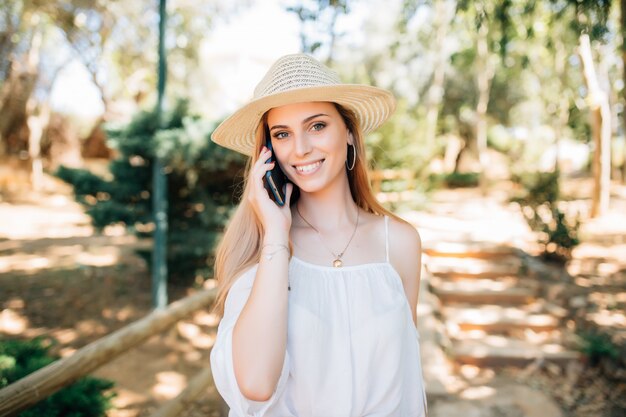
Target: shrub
[(538, 200), (87, 397), (200, 176), (455, 179)]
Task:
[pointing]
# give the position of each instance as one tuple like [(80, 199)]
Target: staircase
[(491, 307)]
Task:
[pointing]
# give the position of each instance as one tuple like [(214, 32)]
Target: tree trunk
[(623, 30), (37, 123), (562, 110), (484, 75), (435, 92), (15, 95), (600, 128)]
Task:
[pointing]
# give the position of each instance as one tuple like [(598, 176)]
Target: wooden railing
[(46, 381)]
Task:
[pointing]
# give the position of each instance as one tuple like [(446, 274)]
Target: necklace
[(337, 262)]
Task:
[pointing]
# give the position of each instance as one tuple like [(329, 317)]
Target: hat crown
[(292, 72)]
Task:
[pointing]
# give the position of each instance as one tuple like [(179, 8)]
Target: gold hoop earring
[(351, 150)]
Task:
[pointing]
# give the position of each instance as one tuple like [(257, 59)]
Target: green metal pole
[(159, 187)]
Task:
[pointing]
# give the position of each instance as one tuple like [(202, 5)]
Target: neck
[(329, 209)]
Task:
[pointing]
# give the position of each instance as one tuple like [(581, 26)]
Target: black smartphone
[(275, 179)]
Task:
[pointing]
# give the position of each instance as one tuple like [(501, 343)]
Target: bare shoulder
[(405, 252), (404, 240)]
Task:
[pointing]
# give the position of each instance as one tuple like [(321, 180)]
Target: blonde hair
[(240, 247)]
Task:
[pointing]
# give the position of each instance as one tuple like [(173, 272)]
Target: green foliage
[(597, 345), (455, 179), (400, 143), (87, 397), (539, 202), (200, 186)]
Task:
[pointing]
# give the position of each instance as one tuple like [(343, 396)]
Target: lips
[(308, 168)]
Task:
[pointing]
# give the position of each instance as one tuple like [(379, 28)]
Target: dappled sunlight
[(476, 393), (90, 327), (541, 320), (67, 351), (206, 319), (608, 318), (536, 338), (469, 371), (127, 398), (195, 335), (122, 314), (60, 256), (51, 219), (169, 384), (552, 348), (497, 341), (65, 336), (100, 259), (11, 322), (25, 263)]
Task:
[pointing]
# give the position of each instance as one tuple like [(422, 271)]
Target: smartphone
[(275, 179)]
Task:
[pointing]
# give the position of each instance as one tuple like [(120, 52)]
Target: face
[(310, 142)]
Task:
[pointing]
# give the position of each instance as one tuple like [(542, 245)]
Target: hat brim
[(371, 105)]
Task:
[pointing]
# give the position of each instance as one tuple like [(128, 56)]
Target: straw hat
[(299, 78)]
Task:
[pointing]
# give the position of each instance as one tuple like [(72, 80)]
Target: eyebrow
[(304, 121)]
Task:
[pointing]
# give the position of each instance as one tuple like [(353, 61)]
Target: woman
[(318, 295)]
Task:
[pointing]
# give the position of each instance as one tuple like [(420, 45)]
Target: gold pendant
[(337, 263)]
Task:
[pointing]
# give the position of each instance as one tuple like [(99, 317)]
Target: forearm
[(260, 334)]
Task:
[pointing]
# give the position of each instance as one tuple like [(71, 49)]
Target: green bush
[(87, 397), (539, 202), (455, 179), (201, 179), (597, 346)]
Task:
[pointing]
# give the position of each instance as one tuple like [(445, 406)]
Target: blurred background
[(507, 151)]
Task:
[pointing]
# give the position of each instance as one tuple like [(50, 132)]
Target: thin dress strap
[(386, 238)]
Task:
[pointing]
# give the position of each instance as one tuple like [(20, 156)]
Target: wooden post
[(46, 381)]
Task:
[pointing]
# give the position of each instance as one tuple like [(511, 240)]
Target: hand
[(275, 219)]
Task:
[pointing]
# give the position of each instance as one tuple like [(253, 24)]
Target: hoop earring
[(351, 150)]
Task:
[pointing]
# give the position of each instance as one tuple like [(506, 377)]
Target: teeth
[(308, 168)]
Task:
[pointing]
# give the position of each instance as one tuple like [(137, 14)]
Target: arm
[(260, 333), (405, 248)]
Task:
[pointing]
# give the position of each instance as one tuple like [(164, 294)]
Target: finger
[(288, 192), (263, 157)]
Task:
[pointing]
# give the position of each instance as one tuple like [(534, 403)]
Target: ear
[(350, 138)]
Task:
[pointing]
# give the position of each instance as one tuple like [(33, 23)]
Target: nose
[(302, 144)]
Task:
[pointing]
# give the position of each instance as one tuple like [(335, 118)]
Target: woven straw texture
[(299, 78)]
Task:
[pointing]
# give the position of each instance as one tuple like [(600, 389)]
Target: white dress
[(352, 347)]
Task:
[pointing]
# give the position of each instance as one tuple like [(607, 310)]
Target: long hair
[(240, 247)]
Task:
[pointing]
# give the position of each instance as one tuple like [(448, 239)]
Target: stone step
[(458, 267), (500, 319), (503, 291), (496, 351), (469, 249)]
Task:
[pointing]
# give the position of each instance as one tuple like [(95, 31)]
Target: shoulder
[(405, 249), (403, 237)]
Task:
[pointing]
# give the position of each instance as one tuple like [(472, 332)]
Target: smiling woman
[(317, 294)]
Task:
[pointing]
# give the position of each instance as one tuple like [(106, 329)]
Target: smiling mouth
[(305, 169)]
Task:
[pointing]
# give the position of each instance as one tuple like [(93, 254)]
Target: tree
[(590, 23), (318, 21), (201, 177), (623, 49)]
